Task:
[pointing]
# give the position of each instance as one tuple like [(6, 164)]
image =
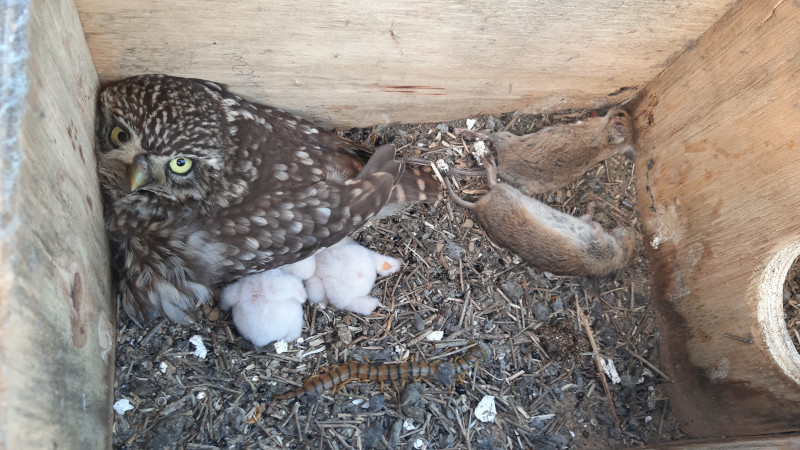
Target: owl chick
[(345, 274), (266, 306), (202, 187)]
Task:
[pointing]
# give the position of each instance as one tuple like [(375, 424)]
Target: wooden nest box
[(714, 87)]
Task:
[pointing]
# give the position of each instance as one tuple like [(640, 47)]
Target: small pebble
[(345, 336), (371, 437), (540, 311), (419, 324), (397, 429), (376, 402), (453, 251), (411, 394), (512, 288)]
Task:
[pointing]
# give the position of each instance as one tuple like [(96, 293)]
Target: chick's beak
[(139, 173)]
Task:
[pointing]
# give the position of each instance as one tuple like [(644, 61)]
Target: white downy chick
[(345, 275), (266, 306), (303, 269)]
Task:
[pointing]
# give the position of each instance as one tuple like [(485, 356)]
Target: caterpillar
[(394, 373)]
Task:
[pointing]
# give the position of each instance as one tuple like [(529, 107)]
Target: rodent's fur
[(555, 156), (546, 238)]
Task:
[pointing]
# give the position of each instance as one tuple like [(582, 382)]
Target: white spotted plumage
[(264, 189)]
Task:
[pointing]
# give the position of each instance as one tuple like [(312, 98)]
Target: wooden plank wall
[(360, 63), (57, 329), (719, 135)]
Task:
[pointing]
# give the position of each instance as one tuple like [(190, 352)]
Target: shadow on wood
[(717, 134)]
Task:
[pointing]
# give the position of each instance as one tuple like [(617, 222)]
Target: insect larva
[(393, 373)]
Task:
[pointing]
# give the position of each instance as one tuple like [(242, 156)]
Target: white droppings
[(408, 425), (471, 123), (281, 347), (435, 335), (201, 395), (486, 410), (122, 406), (480, 151), (199, 348), (610, 370), (162, 367)]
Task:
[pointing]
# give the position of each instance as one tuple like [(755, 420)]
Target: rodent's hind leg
[(491, 170)]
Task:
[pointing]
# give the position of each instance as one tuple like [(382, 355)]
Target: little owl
[(202, 187)]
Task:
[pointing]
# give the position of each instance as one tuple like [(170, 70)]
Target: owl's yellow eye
[(118, 136), (180, 165)]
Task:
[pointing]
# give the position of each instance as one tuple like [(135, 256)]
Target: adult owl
[(202, 187)]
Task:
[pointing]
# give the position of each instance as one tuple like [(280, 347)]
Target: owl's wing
[(287, 217), (336, 156)]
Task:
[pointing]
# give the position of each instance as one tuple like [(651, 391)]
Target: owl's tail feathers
[(415, 186), (382, 161), (371, 189), (410, 185)]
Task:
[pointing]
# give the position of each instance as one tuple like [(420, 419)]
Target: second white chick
[(345, 275), (268, 306)]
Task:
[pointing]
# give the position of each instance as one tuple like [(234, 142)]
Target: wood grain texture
[(745, 443), (718, 137), (357, 63), (56, 327)]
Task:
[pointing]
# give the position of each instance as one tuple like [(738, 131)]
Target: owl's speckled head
[(163, 140)]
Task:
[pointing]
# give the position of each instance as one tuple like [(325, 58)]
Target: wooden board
[(357, 63), (56, 318), (719, 135), (745, 443)]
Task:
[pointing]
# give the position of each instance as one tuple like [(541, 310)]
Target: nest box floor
[(541, 369)]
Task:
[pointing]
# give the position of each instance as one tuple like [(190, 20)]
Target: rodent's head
[(626, 237), (620, 128), (501, 137)]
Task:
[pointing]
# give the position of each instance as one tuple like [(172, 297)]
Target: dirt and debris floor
[(541, 368), (791, 303)]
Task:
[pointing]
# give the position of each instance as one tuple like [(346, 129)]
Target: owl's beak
[(139, 173)]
